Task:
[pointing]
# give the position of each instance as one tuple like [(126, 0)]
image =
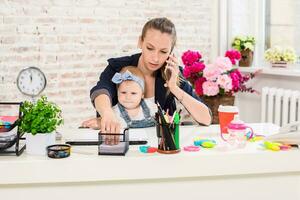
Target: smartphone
[(167, 72)]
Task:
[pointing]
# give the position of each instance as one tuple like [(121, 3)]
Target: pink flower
[(214, 79), (233, 55), (223, 63), (189, 57), (210, 88), (195, 68), (211, 72), (187, 72), (236, 78), (224, 81), (198, 86)]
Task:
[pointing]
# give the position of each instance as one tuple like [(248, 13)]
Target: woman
[(162, 82)]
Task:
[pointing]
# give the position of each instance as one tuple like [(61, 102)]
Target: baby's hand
[(93, 123)]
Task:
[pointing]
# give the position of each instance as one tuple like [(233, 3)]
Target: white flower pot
[(281, 64), (37, 144)]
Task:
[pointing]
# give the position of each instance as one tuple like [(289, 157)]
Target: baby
[(132, 109)]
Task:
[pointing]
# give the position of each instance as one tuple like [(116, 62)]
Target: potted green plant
[(245, 45), (280, 57), (39, 120)]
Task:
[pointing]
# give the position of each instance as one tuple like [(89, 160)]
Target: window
[(271, 22), (283, 24), (243, 18)]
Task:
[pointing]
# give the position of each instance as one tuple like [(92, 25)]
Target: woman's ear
[(140, 42)]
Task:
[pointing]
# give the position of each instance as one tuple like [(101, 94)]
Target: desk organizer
[(10, 136), (119, 149), (167, 129), (167, 142)]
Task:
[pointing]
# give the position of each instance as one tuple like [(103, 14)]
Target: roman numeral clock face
[(31, 81)]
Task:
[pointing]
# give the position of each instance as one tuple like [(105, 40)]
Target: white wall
[(70, 40)]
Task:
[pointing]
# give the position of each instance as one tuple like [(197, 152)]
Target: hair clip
[(191, 148), (147, 149), (206, 143), (59, 151)]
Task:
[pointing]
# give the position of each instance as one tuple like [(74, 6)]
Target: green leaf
[(41, 117)]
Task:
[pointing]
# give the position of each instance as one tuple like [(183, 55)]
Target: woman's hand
[(93, 123), (172, 69), (110, 124)]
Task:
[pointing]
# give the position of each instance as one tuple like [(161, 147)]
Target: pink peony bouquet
[(218, 78)]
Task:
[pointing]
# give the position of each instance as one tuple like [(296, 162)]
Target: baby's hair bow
[(118, 78)]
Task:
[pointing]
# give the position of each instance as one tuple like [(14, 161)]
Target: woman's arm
[(199, 111), (104, 94), (109, 123)]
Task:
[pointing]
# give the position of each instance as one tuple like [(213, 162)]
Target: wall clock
[(31, 81)]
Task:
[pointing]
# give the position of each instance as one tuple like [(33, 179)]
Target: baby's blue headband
[(127, 76)]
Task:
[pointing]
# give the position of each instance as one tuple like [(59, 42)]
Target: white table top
[(85, 165)]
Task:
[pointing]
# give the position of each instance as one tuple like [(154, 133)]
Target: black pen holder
[(168, 138)]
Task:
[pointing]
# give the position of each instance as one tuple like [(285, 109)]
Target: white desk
[(210, 173)]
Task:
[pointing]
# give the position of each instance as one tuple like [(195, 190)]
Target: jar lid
[(236, 123), (230, 109)]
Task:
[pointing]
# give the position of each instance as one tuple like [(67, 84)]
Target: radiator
[(280, 106)]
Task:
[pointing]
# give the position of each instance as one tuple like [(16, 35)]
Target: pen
[(176, 129), (180, 110), (173, 116), (82, 127), (82, 143)]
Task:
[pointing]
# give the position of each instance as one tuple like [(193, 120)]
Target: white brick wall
[(70, 40)]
